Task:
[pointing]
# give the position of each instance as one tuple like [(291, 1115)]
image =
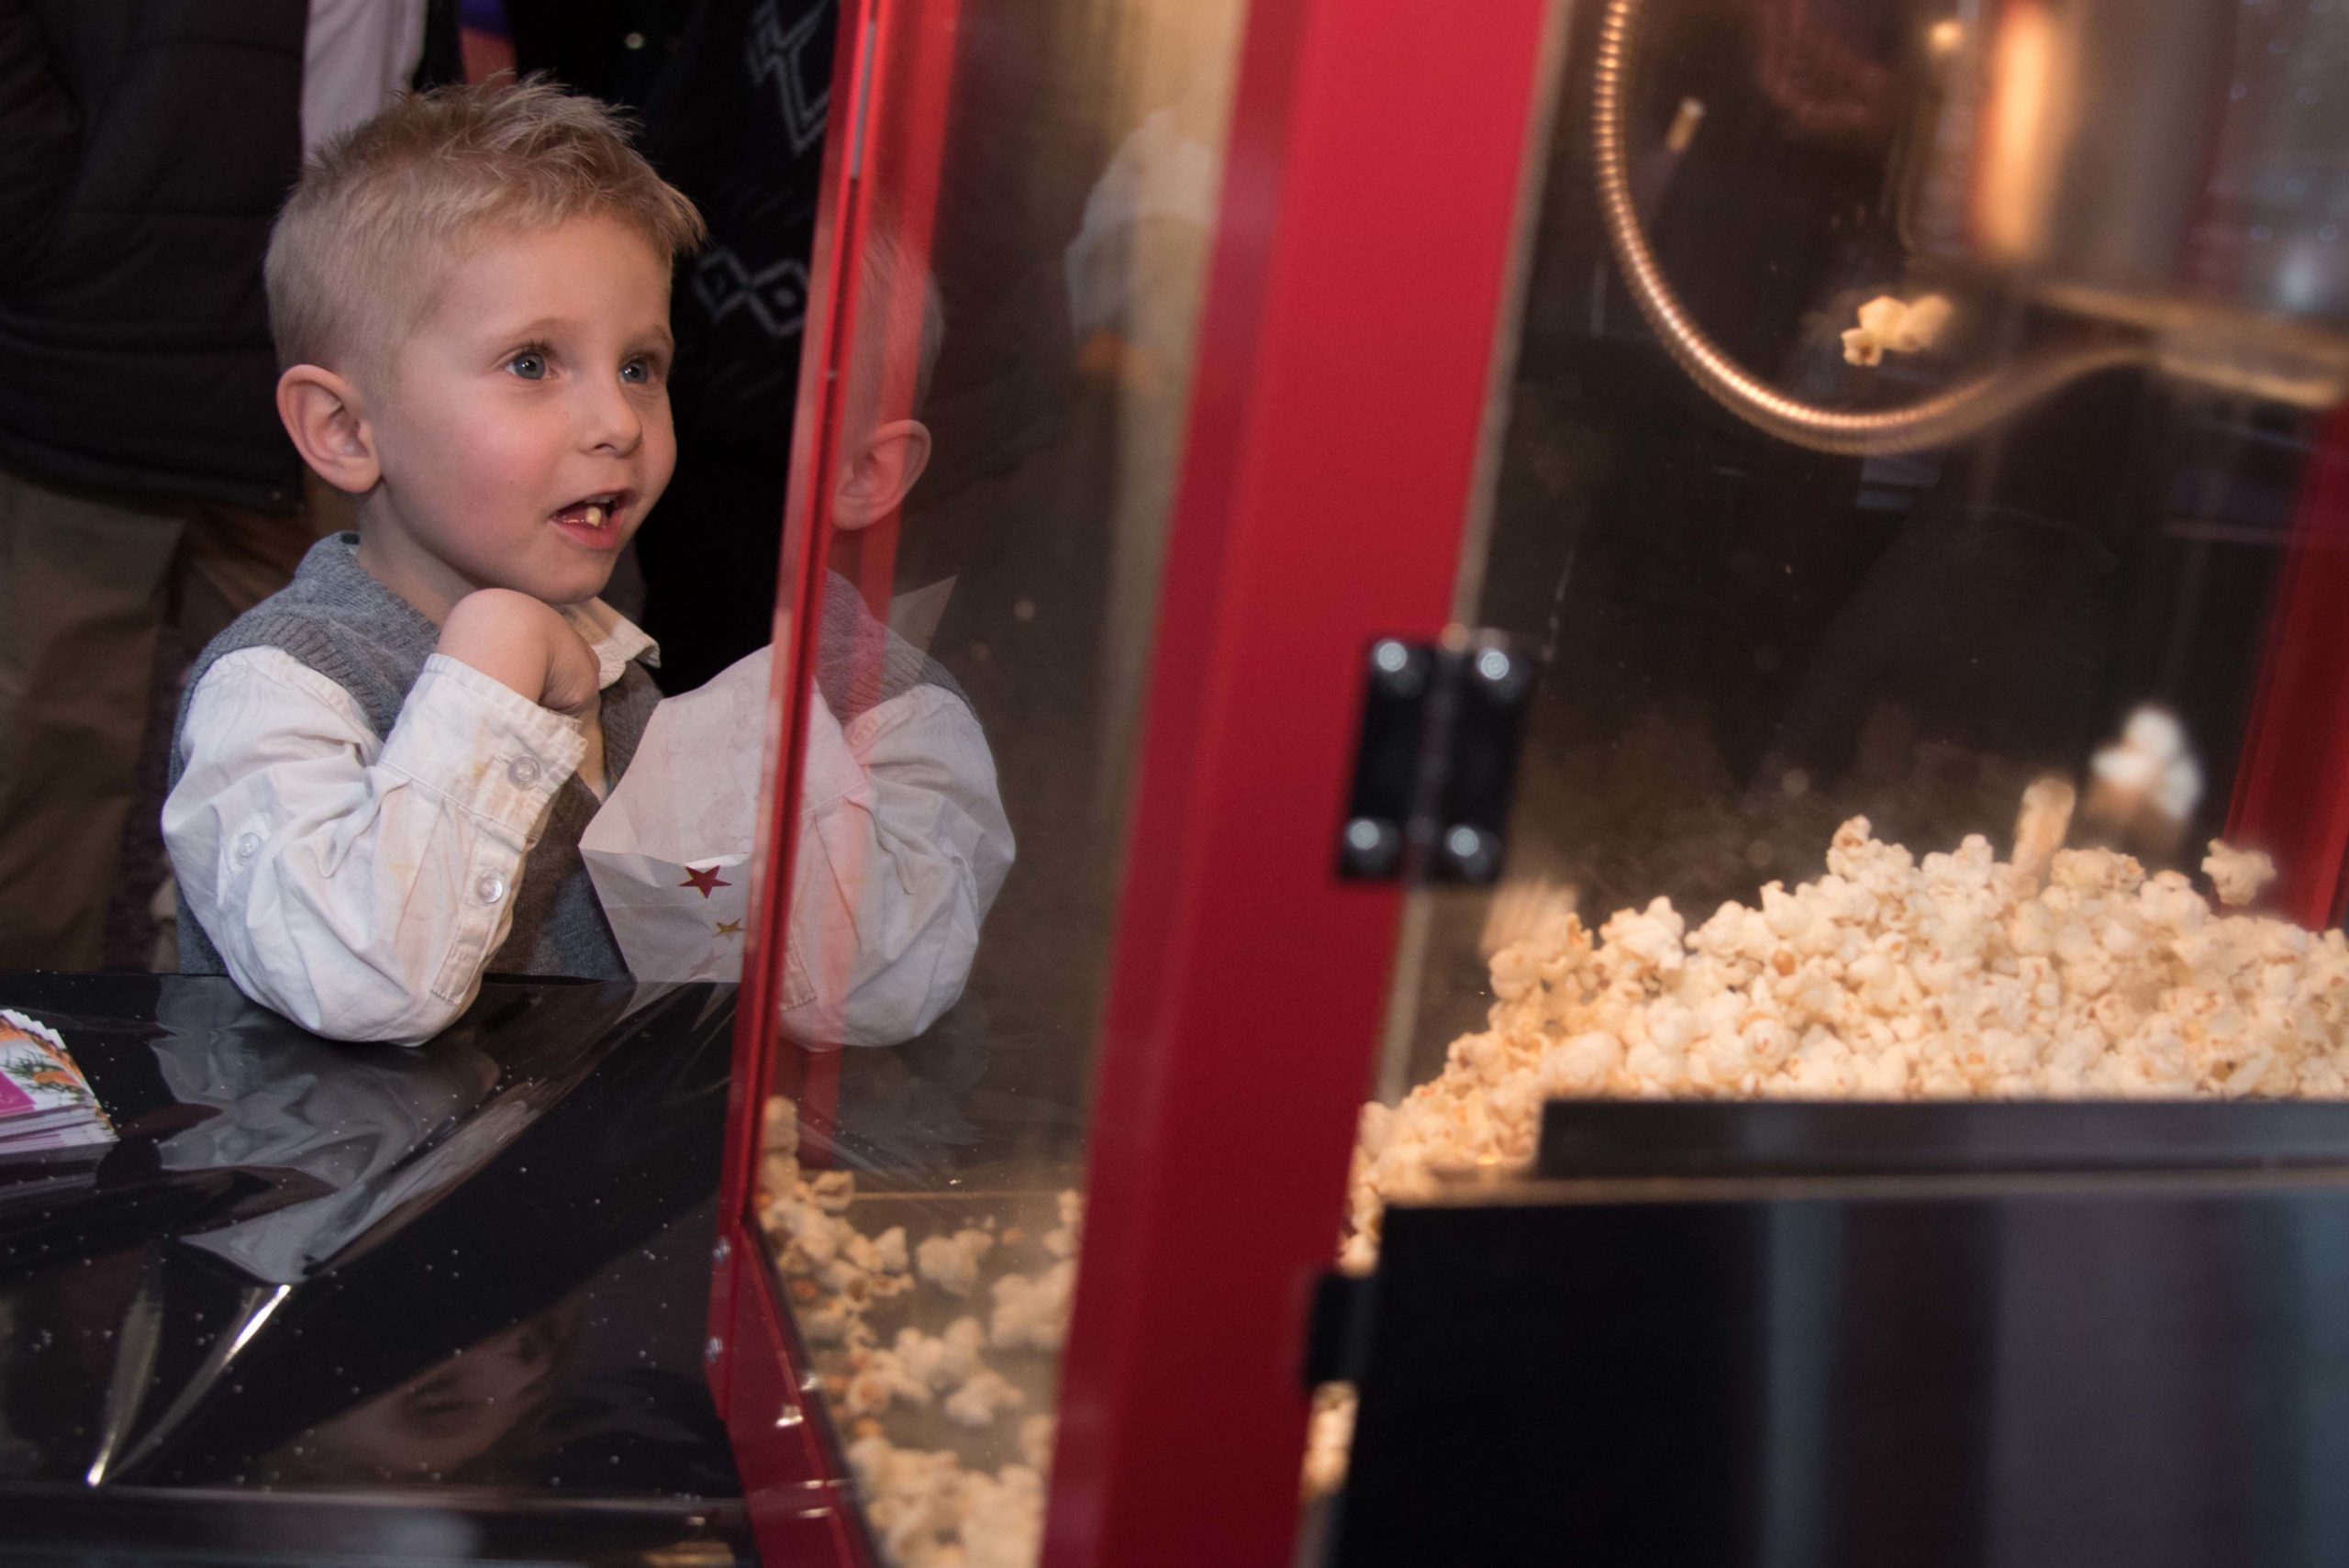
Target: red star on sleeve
[(706, 881)]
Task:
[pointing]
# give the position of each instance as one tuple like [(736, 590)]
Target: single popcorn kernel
[(1888, 325), (2237, 874)]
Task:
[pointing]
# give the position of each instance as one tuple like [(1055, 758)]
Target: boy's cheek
[(660, 459), (655, 487)]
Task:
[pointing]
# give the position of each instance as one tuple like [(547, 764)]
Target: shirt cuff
[(484, 746)]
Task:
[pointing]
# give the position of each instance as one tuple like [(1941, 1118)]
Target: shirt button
[(523, 770), (247, 847), (490, 888)]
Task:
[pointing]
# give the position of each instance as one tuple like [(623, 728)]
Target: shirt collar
[(615, 639)]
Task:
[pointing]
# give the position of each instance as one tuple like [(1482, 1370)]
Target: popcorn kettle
[(2165, 182)]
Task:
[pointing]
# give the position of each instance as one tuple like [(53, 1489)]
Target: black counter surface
[(327, 1303)]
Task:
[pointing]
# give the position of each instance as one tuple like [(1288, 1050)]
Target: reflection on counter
[(467, 1277)]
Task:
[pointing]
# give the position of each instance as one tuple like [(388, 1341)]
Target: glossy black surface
[(323, 1300), (1983, 1370)]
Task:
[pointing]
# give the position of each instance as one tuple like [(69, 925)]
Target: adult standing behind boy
[(145, 146), (738, 127)]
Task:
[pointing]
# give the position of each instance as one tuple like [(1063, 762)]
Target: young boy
[(381, 774)]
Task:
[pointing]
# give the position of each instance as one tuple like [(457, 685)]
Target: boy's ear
[(322, 414), (892, 460)]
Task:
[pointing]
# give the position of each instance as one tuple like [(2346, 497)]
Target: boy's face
[(530, 400)]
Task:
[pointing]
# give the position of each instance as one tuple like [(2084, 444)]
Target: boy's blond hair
[(382, 207), (900, 327)]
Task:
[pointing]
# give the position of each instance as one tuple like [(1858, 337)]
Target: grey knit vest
[(343, 624), (340, 622)]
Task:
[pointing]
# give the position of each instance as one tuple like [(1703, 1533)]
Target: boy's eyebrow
[(539, 329), (546, 324)]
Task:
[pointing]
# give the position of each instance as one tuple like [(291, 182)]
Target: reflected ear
[(892, 460), (322, 414)]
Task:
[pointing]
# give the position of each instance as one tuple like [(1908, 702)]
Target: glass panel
[(1053, 168), (1919, 488)]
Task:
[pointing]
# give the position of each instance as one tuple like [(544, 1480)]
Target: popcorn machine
[(1735, 552)]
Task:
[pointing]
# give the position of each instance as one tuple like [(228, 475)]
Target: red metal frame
[(2291, 792), (1370, 205), (795, 600), (894, 81)]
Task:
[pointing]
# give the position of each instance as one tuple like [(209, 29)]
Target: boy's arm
[(359, 886), (903, 846)]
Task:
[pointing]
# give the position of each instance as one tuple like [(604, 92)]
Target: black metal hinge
[(1437, 759)]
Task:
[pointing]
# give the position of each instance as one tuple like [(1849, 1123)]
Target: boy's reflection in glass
[(492, 1412), (904, 844)]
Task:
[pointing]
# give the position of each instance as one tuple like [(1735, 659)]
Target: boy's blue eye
[(529, 364), (638, 372)]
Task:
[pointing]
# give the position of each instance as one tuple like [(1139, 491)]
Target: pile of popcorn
[(1655, 808), (926, 1509), (2062, 973), (1886, 979)]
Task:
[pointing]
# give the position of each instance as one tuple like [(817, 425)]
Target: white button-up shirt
[(359, 884)]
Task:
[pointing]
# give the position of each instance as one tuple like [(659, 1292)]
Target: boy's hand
[(524, 643)]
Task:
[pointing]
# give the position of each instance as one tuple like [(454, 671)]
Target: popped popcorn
[(1888, 324), (889, 1251), (2043, 824), (2143, 786), (884, 1253), (986, 1394), (881, 1376), (1033, 1311), (1003, 1518), (2238, 874), (832, 1191), (1061, 1241), (942, 1360), (831, 1322), (926, 1509), (779, 1126), (1036, 1435), (2064, 972), (1329, 1439), (952, 1262), (912, 1500)]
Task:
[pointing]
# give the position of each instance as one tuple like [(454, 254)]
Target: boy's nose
[(609, 422)]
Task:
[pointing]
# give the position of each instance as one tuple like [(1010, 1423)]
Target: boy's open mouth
[(594, 514)]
